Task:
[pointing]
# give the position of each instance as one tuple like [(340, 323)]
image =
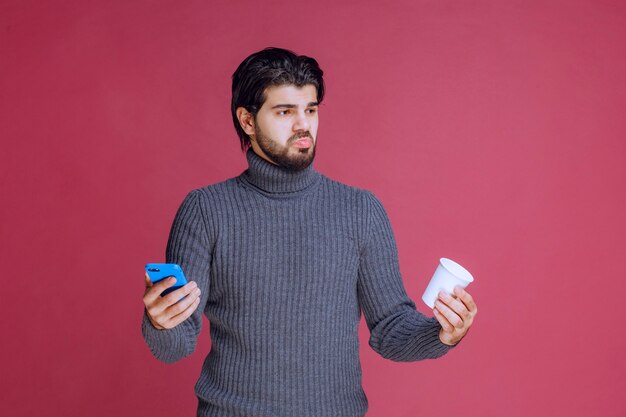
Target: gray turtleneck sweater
[(286, 262)]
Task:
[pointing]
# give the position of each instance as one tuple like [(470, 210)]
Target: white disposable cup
[(448, 275)]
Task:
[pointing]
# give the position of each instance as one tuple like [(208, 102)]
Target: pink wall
[(493, 132)]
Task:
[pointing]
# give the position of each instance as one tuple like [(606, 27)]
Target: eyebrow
[(293, 106)]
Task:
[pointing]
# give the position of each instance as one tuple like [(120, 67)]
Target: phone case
[(158, 272)]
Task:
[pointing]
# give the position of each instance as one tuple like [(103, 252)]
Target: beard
[(281, 154)]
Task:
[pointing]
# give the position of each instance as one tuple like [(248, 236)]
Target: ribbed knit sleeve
[(189, 245), (398, 331)]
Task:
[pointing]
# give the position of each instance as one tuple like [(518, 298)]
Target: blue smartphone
[(158, 272)]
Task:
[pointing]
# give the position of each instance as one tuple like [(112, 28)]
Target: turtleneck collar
[(275, 179)]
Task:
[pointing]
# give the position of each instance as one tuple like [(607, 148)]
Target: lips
[(303, 143)]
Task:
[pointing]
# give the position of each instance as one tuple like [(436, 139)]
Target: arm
[(397, 330), (189, 245)]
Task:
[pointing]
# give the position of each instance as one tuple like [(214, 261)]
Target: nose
[(301, 122)]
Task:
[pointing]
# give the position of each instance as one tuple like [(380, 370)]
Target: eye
[(282, 112), (311, 111)]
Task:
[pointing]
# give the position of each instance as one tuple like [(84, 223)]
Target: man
[(282, 260)]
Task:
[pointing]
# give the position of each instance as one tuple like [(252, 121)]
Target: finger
[(467, 299), (148, 283), (155, 323), (182, 305), (445, 324), (455, 304), (176, 320), (449, 314), (154, 292), (173, 297)]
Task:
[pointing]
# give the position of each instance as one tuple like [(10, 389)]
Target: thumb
[(148, 282)]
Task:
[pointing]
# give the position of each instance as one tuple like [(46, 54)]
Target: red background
[(493, 132)]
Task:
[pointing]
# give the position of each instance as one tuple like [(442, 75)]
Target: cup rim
[(467, 278)]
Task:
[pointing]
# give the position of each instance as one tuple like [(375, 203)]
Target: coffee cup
[(448, 275)]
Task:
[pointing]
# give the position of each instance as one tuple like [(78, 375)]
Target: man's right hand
[(167, 312)]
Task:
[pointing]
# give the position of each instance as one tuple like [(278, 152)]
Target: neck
[(272, 178)]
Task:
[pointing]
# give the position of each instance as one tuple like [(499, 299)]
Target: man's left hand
[(455, 312)]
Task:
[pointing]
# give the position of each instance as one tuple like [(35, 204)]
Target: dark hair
[(268, 68)]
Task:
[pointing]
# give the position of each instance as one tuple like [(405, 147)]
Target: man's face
[(285, 129)]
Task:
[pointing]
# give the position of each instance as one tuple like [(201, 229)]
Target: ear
[(246, 121)]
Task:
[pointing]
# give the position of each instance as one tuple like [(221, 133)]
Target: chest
[(285, 253)]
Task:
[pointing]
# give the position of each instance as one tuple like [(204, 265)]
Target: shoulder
[(343, 189), (209, 193), (207, 199), (361, 196), (207, 203)]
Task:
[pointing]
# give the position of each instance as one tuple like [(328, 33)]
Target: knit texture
[(286, 262)]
